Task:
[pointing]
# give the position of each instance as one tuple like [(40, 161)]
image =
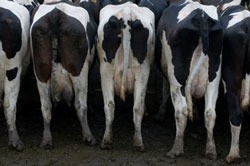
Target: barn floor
[(158, 137)]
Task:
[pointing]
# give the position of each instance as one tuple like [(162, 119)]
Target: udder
[(128, 84), (199, 84)]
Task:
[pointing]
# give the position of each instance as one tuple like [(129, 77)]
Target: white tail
[(126, 36)]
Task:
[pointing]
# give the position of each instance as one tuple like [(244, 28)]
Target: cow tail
[(2, 78), (61, 86), (126, 48), (203, 27), (246, 82)]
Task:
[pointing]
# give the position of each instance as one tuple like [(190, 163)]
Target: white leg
[(234, 153), (11, 90), (109, 106), (81, 90), (138, 109), (44, 92), (181, 114), (210, 115)]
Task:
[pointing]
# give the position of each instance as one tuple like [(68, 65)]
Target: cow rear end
[(125, 47), (62, 41), (191, 37), (235, 69)]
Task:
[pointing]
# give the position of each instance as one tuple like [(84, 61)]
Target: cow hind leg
[(80, 87), (234, 153), (109, 107), (235, 118), (181, 114), (138, 111), (210, 116), (73, 51), (44, 92), (11, 90), (42, 59)]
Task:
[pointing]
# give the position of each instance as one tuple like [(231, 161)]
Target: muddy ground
[(158, 136)]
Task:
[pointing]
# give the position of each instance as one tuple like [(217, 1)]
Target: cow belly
[(199, 83), (129, 82)]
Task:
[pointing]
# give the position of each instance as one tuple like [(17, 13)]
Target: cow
[(14, 60), (63, 46), (235, 67), (125, 46), (155, 6), (160, 115), (236, 70), (191, 39)]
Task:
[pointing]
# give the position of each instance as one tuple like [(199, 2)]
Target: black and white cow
[(236, 67), (63, 42), (14, 60), (160, 115), (191, 38), (126, 38)]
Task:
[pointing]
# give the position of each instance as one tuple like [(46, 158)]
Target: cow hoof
[(106, 146), (18, 146), (173, 154), (232, 159), (139, 148), (90, 141), (46, 146), (211, 156)]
